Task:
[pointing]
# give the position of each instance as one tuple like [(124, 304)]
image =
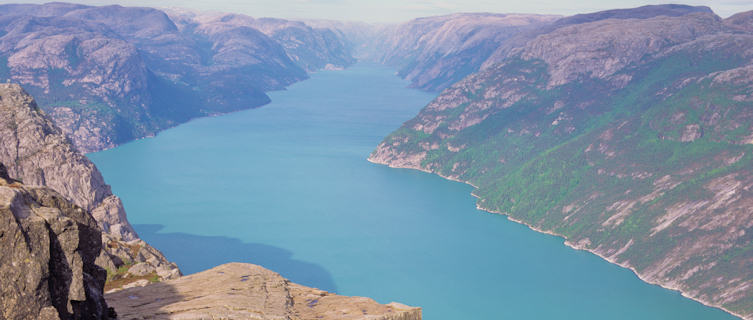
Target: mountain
[(246, 291), (626, 132), (47, 252), (310, 48), (37, 152), (435, 52), (108, 75), (360, 37)]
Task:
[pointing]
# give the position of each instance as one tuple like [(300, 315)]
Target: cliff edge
[(247, 291)]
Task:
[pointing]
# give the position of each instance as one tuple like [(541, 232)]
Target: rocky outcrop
[(111, 74), (626, 132), (38, 153), (246, 291), (128, 263), (47, 251)]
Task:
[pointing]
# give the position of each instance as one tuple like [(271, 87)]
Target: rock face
[(627, 132), (435, 52), (108, 75), (38, 153), (246, 291), (47, 252)]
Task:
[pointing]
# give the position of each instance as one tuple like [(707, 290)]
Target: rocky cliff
[(246, 291), (38, 153), (626, 132), (108, 75), (47, 252)]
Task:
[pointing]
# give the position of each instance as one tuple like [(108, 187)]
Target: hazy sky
[(402, 10)]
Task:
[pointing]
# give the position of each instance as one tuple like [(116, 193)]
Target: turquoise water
[(287, 186)]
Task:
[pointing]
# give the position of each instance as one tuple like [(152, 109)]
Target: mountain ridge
[(112, 74), (607, 153)]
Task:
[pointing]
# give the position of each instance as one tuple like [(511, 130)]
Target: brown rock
[(246, 291)]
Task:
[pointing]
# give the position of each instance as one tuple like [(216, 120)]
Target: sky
[(391, 11)]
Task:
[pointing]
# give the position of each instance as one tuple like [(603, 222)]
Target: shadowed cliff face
[(627, 132), (47, 252), (108, 75), (38, 153)]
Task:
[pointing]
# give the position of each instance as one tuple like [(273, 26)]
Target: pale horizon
[(396, 11)]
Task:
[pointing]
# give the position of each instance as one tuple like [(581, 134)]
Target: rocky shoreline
[(566, 242)]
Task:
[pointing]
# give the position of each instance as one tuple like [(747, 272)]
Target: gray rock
[(140, 269), (47, 251), (36, 152)]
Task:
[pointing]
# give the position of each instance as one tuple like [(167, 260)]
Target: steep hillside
[(36, 152), (108, 75), (629, 135), (435, 52)]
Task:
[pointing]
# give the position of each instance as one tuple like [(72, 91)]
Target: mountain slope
[(435, 52), (629, 136), (310, 48), (111, 74)]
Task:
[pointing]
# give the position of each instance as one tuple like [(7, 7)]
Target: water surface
[(287, 186)]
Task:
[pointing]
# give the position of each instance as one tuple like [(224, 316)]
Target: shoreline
[(567, 242), (218, 114)]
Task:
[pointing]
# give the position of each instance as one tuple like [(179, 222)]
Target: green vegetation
[(119, 278), (605, 166)]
